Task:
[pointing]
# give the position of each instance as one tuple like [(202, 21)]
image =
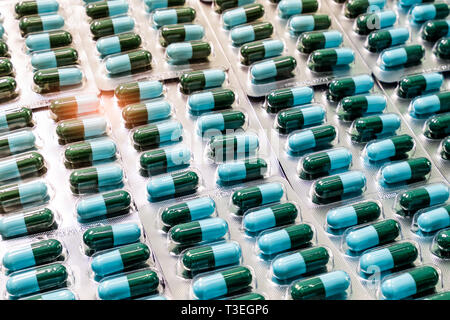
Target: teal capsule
[(154, 135), (110, 236), (369, 22), (23, 195), (164, 160), (241, 15), (200, 80), (269, 217), (227, 147), (379, 40), (63, 294), (308, 22), (102, 9), (37, 23), (324, 163), (425, 12), (338, 187), (26, 8), (354, 107), (402, 56), (130, 62), (273, 68), (233, 172), (27, 223), (191, 210), (180, 33), (437, 127), (110, 26), (184, 52), (251, 32), (22, 166), (16, 142), (310, 139), (54, 58), (220, 122), (96, 178), (285, 98), (329, 59), (210, 100), (151, 5), (343, 87), (164, 17), (105, 205), (251, 197), (172, 185), (371, 127), (425, 106), (419, 84), (56, 79), (131, 92)]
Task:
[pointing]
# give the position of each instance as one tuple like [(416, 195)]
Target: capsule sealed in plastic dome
[(129, 62), (445, 149), (23, 195), (80, 129), (379, 40), (172, 185), (315, 40), (21, 167), (426, 106), (23, 283), (8, 88), (17, 142), (394, 148), (372, 127), (191, 210), (341, 218), (74, 107), (285, 98), (403, 56), (259, 50), (255, 196), (48, 40), (429, 11), (94, 179), (37, 23), (251, 32), (15, 118), (358, 239), (419, 84), (354, 8), (353, 107), (368, 22), (241, 15), (164, 160), (442, 48), (388, 258), (180, 33), (409, 283), (299, 117), (118, 43), (338, 187), (315, 138), (343, 87), (168, 16), (111, 26), (4, 49), (431, 220), (188, 52), (27, 223), (324, 163), (154, 135), (294, 264), (210, 100), (240, 171), (232, 146), (308, 22), (131, 92), (56, 79), (200, 80), (58, 57), (288, 8), (6, 67), (102, 9), (331, 285), (437, 127), (441, 244), (406, 171), (220, 122), (129, 285), (200, 231), (436, 29), (104, 205), (151, 5), (27, 8), (275, 215), (110, 236), (221, 283), (281, 67), (84, 154)]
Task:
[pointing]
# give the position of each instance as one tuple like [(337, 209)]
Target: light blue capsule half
[(409, 3), (271, 192), (12, 226), (180, 51), (345, 56), (363, 83), (201, 208), (116, 7), (214, 123), (47, 6), (386, 18), (3, 122), (380, 150), (272, 48), (302, 95), (335, 283), (38, 41), (155, 4), (213, 228), (94, 126), (391, 122), (313, 115), (426, 105), (339, 158), (122, 24), (234, 17), (69, 76), (125, 233), (394, 57), (376, 103), (210, 287), (242, 34), (422, 13), (150, 89), (433, 80), (274, 242), (52, 22), (214, 78), (226, 254), (288, 266), (21, 141), (108, 45), (177, 156), (22, 284), (399, 287), (301, 23), (301, 141), (377, 3), (397, 172), (118, 64), (161, 187), (2, 30), (193, 32), (114, 289), (64, 294), (19, 258), (107, 263), (9, 170), (263, 70), (91, 207), (228, 172), (362, 239), (342, 217), (246, 143), (352, 181), (438, 193), (433, 220), (376, 261), (169, 131), (202, 101), (102, 149), (109, 175), (288, 8), (259, 220), (398, 36), (165, 17), (333, 39), (44, 60), (158, 110), (35, 191)]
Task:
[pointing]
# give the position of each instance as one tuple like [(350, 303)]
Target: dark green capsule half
[(411, 201), (142, 282), (51, 276), (354, 8), (91, 179), (16, 118), (6, 67), (437, 127), (403, 253), (25, 165), (3, 49), (344, 87), (442, 241), (442, 49), (46, 250), (418, 84), (37, 23), (8, 88), (101, 9), (199, 80), (445, 149), (299, 117), (435, 29)]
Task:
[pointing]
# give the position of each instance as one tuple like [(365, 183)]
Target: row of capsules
[(113, 247), (374, 140), (303, 43), (8, 85), (398, 37), (191, 233), (145, 39)]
